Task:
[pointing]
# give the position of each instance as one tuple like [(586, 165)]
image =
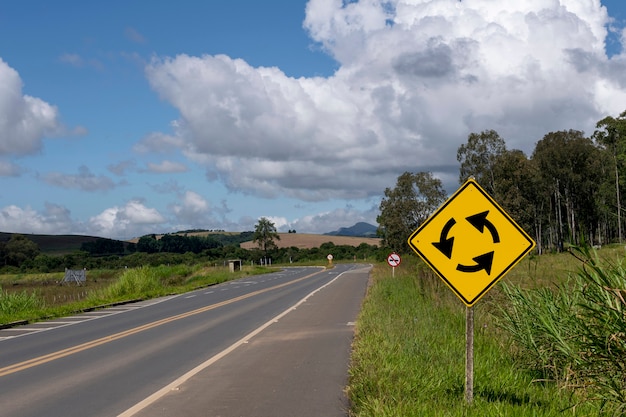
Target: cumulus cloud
[(54, 219), (132, 219), (24, 120), (192, 208), (192, 211), (331, 220), (415, 78)]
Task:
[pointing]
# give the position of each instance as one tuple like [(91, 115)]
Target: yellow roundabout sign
[(471, 242)]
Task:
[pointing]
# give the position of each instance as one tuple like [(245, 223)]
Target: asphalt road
[(269, 345)]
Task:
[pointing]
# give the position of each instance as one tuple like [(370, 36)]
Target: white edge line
[(85, 317), (183, 378)]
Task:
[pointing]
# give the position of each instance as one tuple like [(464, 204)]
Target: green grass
[(12, 304), (409, 356), (39, 296), (574, 332)]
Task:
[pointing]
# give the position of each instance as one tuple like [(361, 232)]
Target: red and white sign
[(394, 260)]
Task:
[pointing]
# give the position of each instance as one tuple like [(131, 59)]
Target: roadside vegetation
[(549, 341), (32, 297)]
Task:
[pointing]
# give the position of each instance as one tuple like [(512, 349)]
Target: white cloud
[(54, 219), (192, 206), (132, 219), (24, 120), (332, 220), (192, 211), (415, 79), (279, 222)]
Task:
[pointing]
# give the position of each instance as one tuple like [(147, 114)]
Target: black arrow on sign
[(482, 262), (445, 244), (480, 221)]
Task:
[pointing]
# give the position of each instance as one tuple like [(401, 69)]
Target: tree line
[(568, 191), (20, 254)]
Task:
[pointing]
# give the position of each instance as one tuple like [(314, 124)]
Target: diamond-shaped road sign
[(471, 242)]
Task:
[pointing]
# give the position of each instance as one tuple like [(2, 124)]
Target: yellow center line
[(97, 342)]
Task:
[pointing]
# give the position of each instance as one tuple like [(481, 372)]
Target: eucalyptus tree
[(406, 206), (478, 158), (264, 235), (569, 167), (516, 180), (611, 135)]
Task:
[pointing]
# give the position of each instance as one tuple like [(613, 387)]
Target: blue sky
[(123, 118)]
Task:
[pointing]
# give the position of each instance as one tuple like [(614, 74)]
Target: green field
[(409, 351)]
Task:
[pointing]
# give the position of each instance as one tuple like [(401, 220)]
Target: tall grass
[(131, 284), (540, 321), (409, 357), (18, 302), (575, 333)]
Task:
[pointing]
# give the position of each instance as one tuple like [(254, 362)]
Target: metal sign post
[(469, 354)]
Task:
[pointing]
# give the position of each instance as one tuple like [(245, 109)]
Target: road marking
[(175, 385), (37, 327), (17, 367)]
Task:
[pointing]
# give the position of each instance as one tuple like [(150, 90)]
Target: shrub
[(135, 283), (576, 333), (18, 302)]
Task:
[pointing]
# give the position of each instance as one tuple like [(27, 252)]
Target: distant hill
[(54, 244), (64, 244), (361, 229)]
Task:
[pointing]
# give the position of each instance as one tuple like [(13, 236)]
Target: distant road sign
[(394, 260), (471, 242)]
